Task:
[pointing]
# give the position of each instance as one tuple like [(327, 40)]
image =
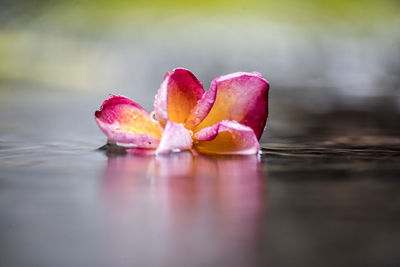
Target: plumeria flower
[(228, 119)]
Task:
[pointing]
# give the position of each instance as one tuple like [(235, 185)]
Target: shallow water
[(302, 202)]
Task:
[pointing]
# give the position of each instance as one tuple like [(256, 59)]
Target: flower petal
[(175, 138), (228, 138), (240, 96), (126, 123), (178, 94)]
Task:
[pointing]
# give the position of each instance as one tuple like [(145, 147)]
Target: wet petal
[(175, 138), (126, 123), (227, 138), (240, 96), (178, 94)]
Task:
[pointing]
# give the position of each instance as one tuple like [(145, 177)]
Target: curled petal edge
[(227, 138), (127, 139)]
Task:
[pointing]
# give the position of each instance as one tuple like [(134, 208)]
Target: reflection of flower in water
[(181, 209)]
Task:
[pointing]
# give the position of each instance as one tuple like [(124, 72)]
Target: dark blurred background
[(333, 65)]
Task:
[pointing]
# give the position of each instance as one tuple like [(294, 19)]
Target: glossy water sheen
[(64, 202)]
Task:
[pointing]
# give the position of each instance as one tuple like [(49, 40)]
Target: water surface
[(309, 201)]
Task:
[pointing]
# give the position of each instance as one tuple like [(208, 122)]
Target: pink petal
[(239, 96), (178, 94), (126, 123), (175, 138), (227, 138)]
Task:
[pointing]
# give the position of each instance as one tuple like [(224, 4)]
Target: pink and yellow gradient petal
[(240, 96), (227, 120), (126, 123), (177, 95), (227, 138)]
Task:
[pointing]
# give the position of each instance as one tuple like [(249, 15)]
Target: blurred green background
[(330, 63)]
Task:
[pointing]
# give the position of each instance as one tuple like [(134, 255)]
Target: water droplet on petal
[(153, 116)]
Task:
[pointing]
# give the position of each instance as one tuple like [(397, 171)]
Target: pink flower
[(227, 119)]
